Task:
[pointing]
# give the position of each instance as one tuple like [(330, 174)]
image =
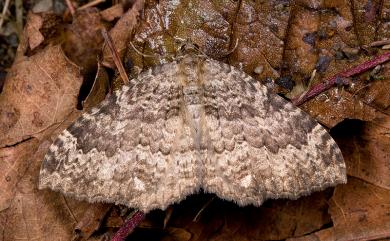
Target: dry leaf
[(14, 161), (34, 23), (112, 13), (39, 92), (260, 38), (177, 234), (366, 19), (322, 235), (274, 39), (39, 215), (335, 105), (91, 221), (120, 33), (300, 54), (360, 211), (83, 40), (365, 147), (99, 88)]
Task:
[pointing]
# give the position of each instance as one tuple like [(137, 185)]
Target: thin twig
[(378, 43), (4, 12), (19, 15), (128, 226), (91, 4), (329, 83), (70, 7), (115, 56)]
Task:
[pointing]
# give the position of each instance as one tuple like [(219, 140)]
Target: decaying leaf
[(99, 89), (91, 221), (120, 33), (83, 40), (14, 161), (322, 235), (366, 148), (360, 211), (39, 91), (37, 215), (113, 12), (260, 38), (275, 220), (34, 23), (335, 105), (303, 42)]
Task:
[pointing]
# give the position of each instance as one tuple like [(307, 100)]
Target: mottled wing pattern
[(190, 124), (261, 145), (132, 149)]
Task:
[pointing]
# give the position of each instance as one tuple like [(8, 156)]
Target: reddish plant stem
[(90, 4), (128, 226), (329, 83)]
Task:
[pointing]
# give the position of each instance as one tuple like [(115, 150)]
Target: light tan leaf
[(14, 161), (120, 33), (34, 23), (39, 92), (360, 211), (111, 13)]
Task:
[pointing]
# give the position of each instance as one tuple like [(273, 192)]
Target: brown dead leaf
[(38, 93), (335, 105), (366, 19), (276, 219), (112, 13), (34, 23), (260, 38), (360, 211), (42, 29), (321, 39), (114, 218), (165, 27), (373, 90), (300, 53), (39, 215), (99, 88), (91, 221), (120, 33), (177, 234), (14, 161), (83, 40), (322, 235), (365, 147)]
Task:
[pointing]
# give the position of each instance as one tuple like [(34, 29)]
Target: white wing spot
[(139, 185)]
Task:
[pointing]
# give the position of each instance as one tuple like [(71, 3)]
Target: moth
[(189, 125)]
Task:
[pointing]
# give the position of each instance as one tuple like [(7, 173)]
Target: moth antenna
[(142, 54), (233, 49)]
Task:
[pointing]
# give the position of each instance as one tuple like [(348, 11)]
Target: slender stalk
[(4, 12), (330, 82), (129, 226), (91, 4), (115, 56)]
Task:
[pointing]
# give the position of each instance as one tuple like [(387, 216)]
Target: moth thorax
[(193, 94), (189, 66)]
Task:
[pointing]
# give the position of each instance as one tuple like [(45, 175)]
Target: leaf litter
[(302, 43)]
